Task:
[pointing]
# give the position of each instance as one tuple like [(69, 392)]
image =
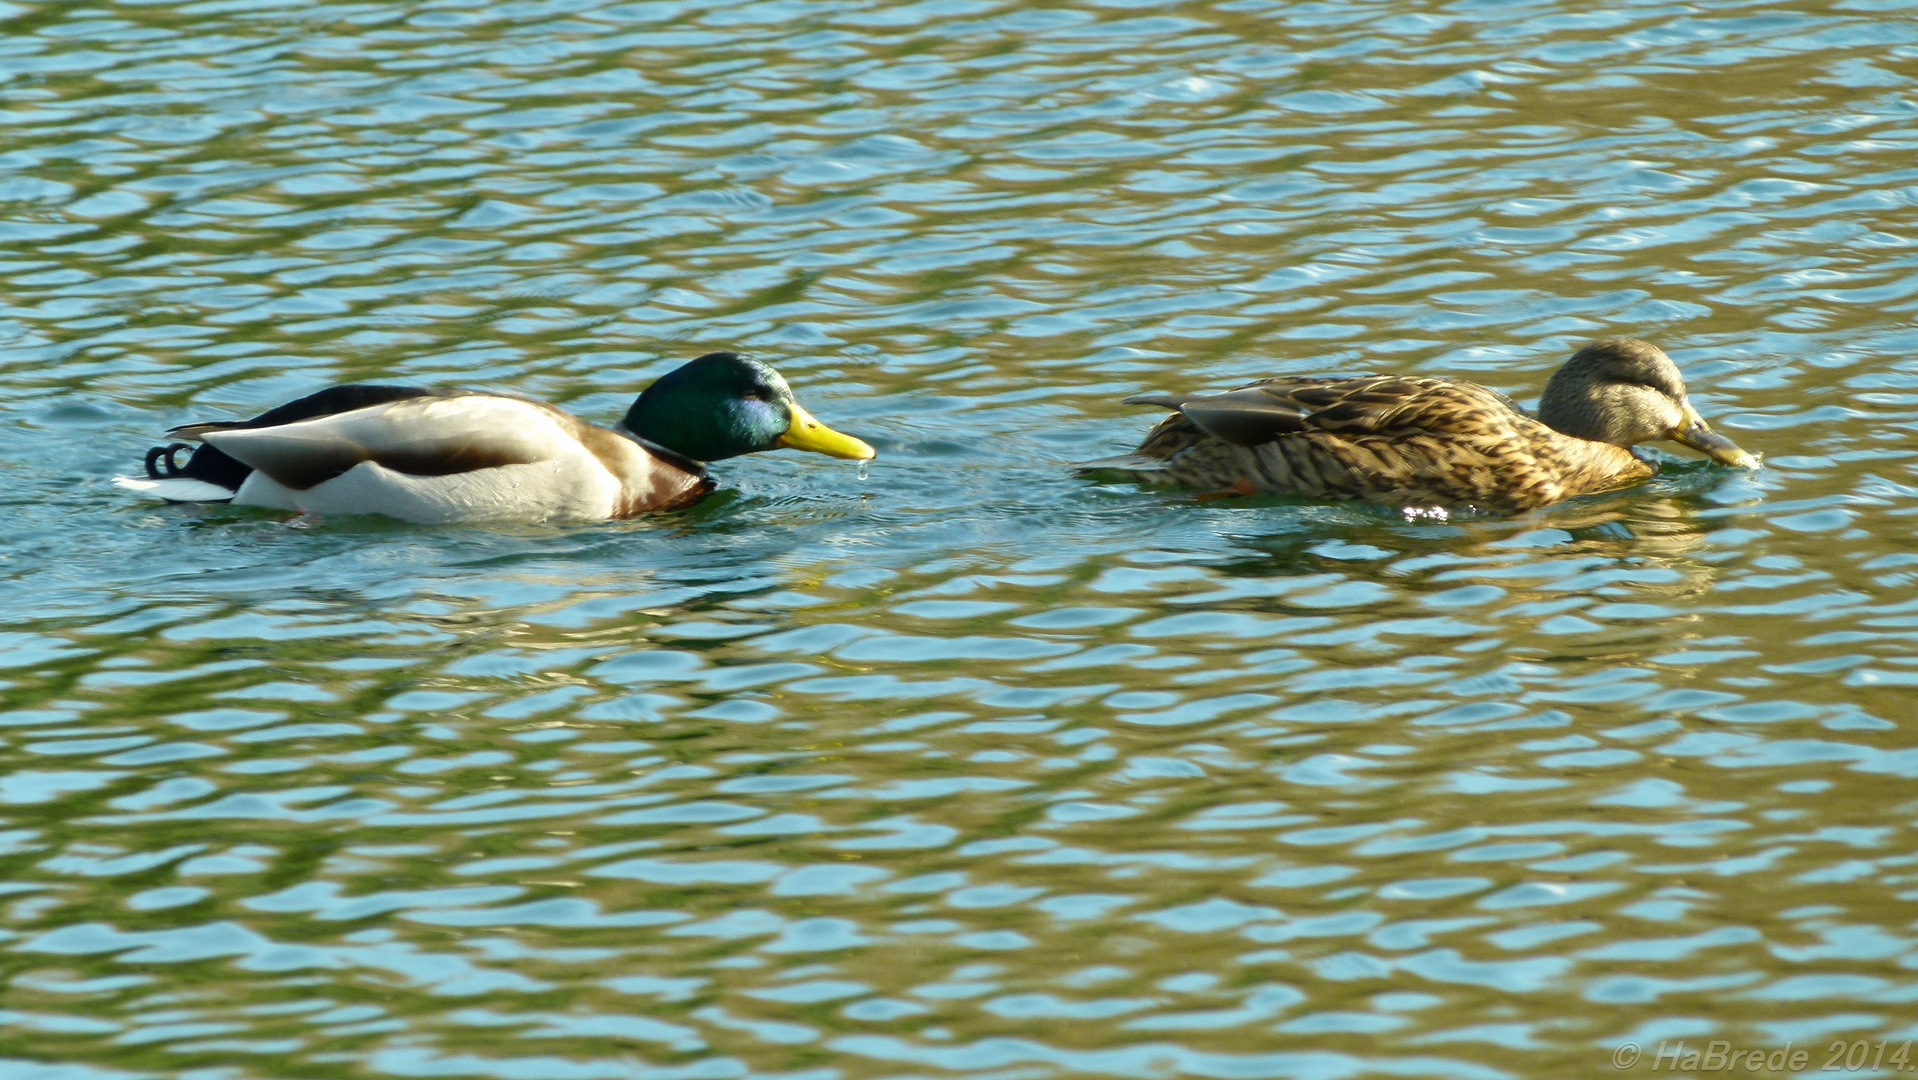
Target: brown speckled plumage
[(1417, 441)]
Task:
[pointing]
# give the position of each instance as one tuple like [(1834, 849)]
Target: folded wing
[(1365, 405), (436, 435)]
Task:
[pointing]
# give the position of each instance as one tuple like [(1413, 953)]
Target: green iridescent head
[(723, 405)]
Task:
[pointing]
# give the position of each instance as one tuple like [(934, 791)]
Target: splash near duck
[(434, 456), (1414, 441)]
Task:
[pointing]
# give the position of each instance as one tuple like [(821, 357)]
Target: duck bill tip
[(1700, 437)]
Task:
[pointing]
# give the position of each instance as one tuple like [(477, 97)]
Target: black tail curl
[(210, 464), (160, 461), (203, 462)]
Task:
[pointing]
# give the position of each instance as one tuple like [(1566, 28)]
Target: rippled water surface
[(966, 768)]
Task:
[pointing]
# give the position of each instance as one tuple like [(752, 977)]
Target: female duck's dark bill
[(1698, 435), (810, 435)]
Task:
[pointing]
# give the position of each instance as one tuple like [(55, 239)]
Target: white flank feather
[(549, 490), (176, 489)]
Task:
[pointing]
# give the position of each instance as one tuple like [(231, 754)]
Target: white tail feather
[(176, 489)]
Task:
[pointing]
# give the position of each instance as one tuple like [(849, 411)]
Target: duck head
[(723, 405), (1625, 391)]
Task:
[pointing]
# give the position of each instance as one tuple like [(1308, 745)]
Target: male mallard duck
[(1407, 440), (434, 456)]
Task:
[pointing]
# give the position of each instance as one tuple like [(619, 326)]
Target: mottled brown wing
[(1423, 440), (1389, 438), (1395, 406)]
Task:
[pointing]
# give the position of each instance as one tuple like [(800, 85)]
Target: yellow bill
[(814, 437)]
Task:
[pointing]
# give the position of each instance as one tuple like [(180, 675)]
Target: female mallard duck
[(1411, 441), (434, 456)]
